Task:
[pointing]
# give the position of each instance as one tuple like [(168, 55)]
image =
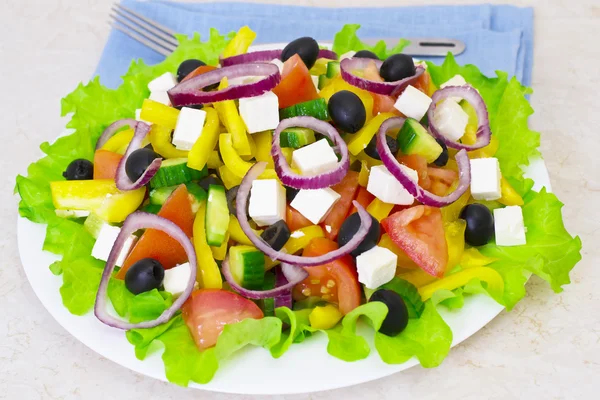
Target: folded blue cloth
[(497, 37)]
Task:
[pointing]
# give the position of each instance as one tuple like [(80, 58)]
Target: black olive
[(371, 149), (188, 66), (480, 224), (366, 54), (276, 235), (396, 67), (349, 229), (145, 275), (138, 162), (231, 195), (79, 170), (443, 158), (396, 319), (290, 193), (306, 47), (347, 111), (209, 180), (194, 106)]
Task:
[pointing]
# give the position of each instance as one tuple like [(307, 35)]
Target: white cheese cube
[(349, 54), (260, 113), (279, 64), (105, 241), (451, 120), (267, 202), (176, 279), (413, 103), (163, 83), (315, 204), (160, 96), (376, 267), (509, 226), (383, 185), (188, 128), (315, 80), (316, 158), (485, 179), (456, 80), (72, 213)]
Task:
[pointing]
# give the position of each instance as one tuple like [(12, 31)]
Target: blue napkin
[(497, 37)]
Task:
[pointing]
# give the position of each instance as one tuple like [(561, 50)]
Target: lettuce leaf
[(346, 40), (81, 278)]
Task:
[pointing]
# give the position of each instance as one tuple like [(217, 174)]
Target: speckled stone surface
[(547, 348)]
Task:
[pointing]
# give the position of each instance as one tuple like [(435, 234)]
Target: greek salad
[(227, 197)]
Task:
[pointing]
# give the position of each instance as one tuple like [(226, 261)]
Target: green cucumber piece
[(268, 305), (93, 223), (296, 137), (406, 290), (247, 265), (312, 108), (174, 171), (217, 215), (160, 195), (151, 208), (323, 81), (413, 138), (333, 69)]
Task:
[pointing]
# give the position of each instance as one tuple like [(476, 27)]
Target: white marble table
[(547, 348)]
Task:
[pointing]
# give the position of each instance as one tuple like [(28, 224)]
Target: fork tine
[(155, 26), (148, 35), (147, 26), (159, 49)]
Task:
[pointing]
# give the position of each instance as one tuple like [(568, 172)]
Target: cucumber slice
[(312, 108), (217, 215), (93, 223), (151, 208), (247, 266), (413, 138), (268, 305), (333, 69), (408, 292), (297, 137), (323, 81), (174, 171), (160, 195)]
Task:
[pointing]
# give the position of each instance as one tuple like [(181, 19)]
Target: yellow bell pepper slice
[(298, 240), (119, 142), (160, 138), (231, 119), (214, 161), (160, 114), (287, 152), (235, 163), (320, 67), (487, 151), (452, 212), (208, 274), (386, 242), (363, 175), (361, 139), (263, 141), (371, 162), (229, 178), (237, 234), (510, 197), (471, 258), (117, 207), (338, 84), (418, 277), (379, 209), (219, 252), (495, 284), (240, 42), (206, 142), (325, 317), (455, 240)]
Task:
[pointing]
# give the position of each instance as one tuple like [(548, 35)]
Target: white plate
[(304, 368)]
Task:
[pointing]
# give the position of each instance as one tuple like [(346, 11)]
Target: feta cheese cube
[(509, 226), (315, 204), (315, 80), (176, 279), (105, 241), (413, 103), (279, 64), (451, 120), (383, 185), (349, 54), (485, 179), (376, 267), (160, 96), (163, 83), (316, 158), (260, 113), (267, 202), (188, 128), (456, 80)]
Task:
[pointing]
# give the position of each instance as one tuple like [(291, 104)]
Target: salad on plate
[(224, 198)]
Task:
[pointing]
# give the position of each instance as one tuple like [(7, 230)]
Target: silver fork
[(162, 39)]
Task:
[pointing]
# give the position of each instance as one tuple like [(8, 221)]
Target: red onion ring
[(114, 127), (388, 88), (189, 92), (326, 179), (280, 288), (141, 220), (472, 96), (241, 207), (122, 180), (420, 194), (266, 56)]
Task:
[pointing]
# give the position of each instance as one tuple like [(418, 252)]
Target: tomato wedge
[(419, 232), (106, 164), (207, 311), (423, 83), (296, 84), (295, 220), (419, 164), (347, 189), (335, 282), (363, 197), (157, 244)]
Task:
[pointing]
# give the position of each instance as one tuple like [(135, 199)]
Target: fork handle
[(436, 47)]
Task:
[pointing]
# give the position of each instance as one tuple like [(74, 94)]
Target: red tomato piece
[(423, 83), (419, 232), (347, 189), (296, 84), (105, 164), (419, 164), (157, 244), (335, 282), (441, 180), (295, 220), (363, 197), (207, 311)]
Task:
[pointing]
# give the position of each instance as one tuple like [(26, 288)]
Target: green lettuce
[(346, 40), (81, 278)]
